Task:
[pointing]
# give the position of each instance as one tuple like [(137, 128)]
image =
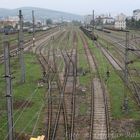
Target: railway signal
[(21, 47), (8, 79)]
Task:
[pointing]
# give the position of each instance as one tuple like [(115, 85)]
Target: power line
[(27, 125), (20, 115), (24, 104), (37, 120)]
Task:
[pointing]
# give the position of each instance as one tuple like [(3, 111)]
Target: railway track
[(27, 46), (74, 62), (99, 123), (63, 97), (70, 69), (42, 61), (120, 43), (50, 107), (54, 119), (119, 67), (120, 53), (60, 108), (134, 39)]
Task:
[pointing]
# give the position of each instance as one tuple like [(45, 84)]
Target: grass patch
[(128, 138), (83, 63), (83, 109)]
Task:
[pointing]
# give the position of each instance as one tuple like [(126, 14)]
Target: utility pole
[(33, 19), (8, 87), (93, 26), (21, 47), (125, 104)]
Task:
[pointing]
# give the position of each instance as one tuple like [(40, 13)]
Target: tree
[(27, 24), (132, 23), (49, 21), (8, 27), (99, 21), (76, 23)]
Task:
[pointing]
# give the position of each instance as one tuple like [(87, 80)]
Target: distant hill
[(40, 14)]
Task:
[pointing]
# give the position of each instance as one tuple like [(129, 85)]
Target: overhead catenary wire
[(37, 120), (28, 124), (25, 104), (15, 122)]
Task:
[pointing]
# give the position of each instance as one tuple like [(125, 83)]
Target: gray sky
[(81, 7)]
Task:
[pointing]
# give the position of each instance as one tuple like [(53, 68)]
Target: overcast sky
[(81, 7)]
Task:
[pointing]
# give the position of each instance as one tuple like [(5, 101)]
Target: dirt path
[(99, 130)]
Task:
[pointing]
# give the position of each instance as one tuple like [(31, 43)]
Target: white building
[(105, 19), (120, 22), (108, 20), (136, 14)]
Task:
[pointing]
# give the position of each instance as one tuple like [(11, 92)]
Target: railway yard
[(75, 87)]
